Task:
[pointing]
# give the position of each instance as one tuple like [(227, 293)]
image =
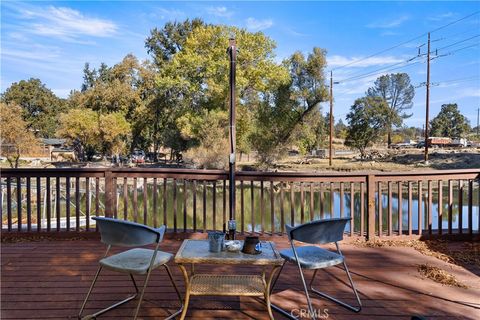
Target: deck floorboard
[(49, 280)]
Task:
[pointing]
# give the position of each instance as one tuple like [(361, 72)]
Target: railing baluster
[(39, 203), (242, 208), (332, 200), (450, 205), (420, 207), (430, 201), (164, 195), (87, 203), (125, 198), (470, 207), (185, 194), (194, 187), (77, 202), (410, 205), (312, 202), (29, 204), (135, 200), (214, 206), (440, 206), (115, 197), (224, 203), (400, 208), (352, 208), (67, 203), (272, 209), (57, 197), (262, 207), (48, 204), (342, 201), (322, 203), (362, 209), (390, 220), (460, 206), (97, 199), (174, 204), (302, 204), (19, 204), (282, 210), (292, 204), (252, 203), (145, 201), (380, 209), (155, 204), (204, 206)]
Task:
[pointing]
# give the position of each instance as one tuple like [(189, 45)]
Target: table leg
[(187, 291), (267, 291)]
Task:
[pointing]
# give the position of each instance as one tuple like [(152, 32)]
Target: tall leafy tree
[(16, 138), (40, 106), (367, 120), (398, 92), (449, 122)]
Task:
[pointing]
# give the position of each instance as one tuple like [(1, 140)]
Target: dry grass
[(457, 253), (440, 276)]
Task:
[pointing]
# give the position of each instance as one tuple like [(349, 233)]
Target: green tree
[(397, 91), (16, 138), (285, 112), (163, 44), (40, 106), (80, 126), (367, 121), (449, 123), (340, 129)]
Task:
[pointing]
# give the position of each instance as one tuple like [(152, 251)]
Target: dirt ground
[(388, 160)]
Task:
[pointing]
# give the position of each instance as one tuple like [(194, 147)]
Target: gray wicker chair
[(139, 261), (314, 257)]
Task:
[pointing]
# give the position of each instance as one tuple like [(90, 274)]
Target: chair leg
[(309, 302), (141, 294), (276, 278), (89, 291), (178, 294), (343, 304), (96, 314)]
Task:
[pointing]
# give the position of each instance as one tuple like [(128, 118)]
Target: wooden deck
[(49, 279)]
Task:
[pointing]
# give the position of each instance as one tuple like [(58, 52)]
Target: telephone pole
[(330, 152), (427, 104)]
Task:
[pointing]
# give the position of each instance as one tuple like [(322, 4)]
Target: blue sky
[(53, 40)]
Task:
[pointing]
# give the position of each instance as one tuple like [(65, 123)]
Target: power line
[(381, 71), (405, 42), (461, 41)]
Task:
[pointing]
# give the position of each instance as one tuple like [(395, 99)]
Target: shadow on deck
[(49, 280)]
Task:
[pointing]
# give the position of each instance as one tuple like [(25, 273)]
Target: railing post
[(108, 193), (370, 207)]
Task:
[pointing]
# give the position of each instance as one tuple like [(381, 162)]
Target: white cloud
[(220, 12), (258, 25), (390, 23), (169, 14), (442, 16), (336, 60), (66, 23)]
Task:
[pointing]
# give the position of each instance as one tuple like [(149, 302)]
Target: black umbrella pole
[(232, 52)]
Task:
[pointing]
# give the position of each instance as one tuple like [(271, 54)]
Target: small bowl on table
[(233, 245)]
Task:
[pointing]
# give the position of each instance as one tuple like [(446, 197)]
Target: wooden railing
[(383, 204)]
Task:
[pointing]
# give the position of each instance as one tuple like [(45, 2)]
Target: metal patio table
[(196, 252)]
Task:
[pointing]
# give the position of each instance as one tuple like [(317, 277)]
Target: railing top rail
[(201, 174)]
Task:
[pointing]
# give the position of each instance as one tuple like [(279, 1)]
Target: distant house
[(57, 149)]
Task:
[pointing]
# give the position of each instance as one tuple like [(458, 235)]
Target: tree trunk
[(389, 138)]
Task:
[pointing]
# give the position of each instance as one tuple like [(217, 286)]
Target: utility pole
[(330, 152), (427, 104), (232, 53)]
